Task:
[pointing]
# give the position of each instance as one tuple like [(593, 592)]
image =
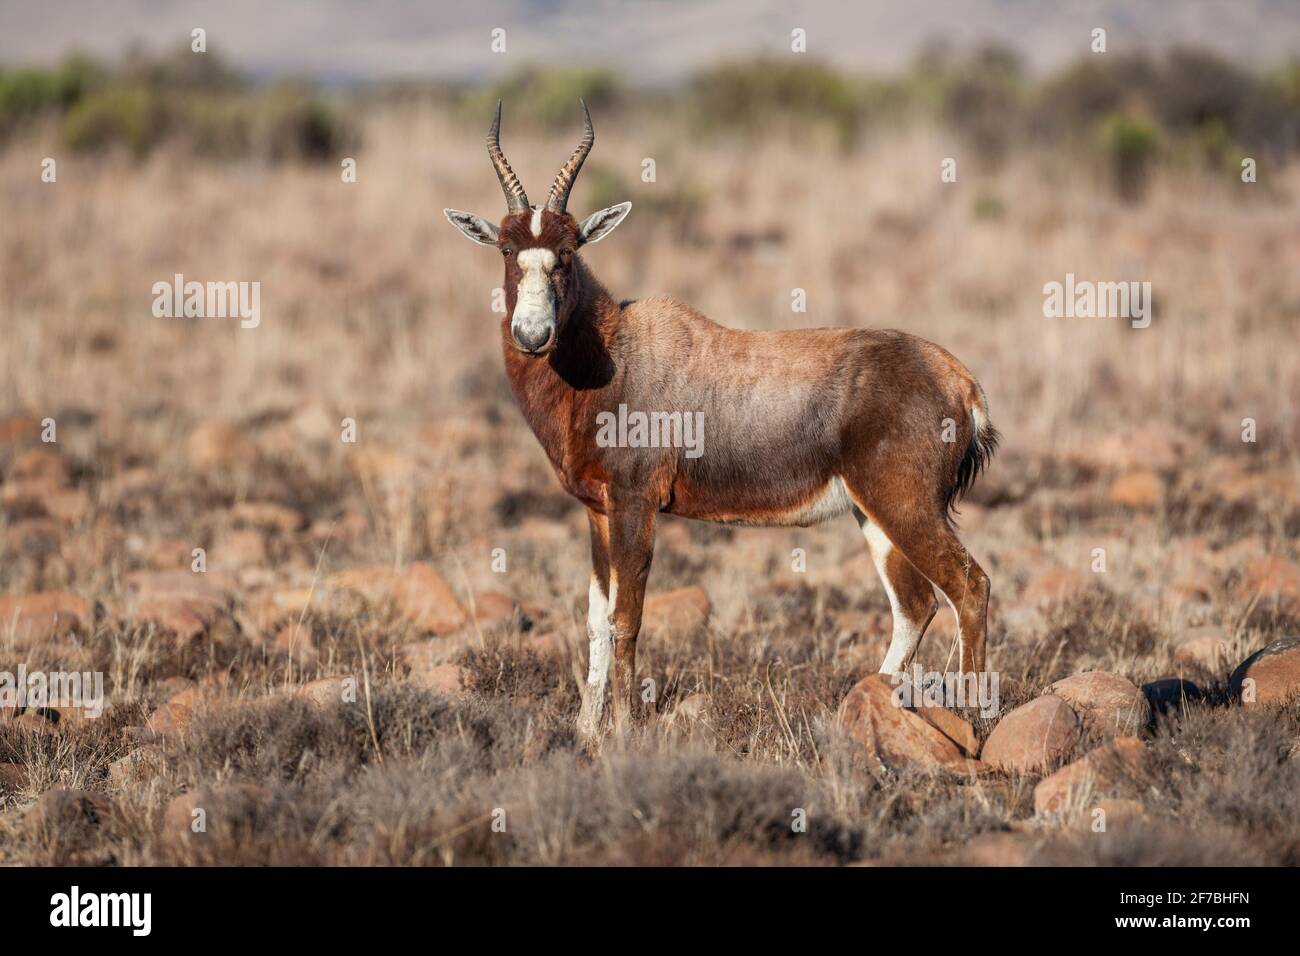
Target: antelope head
[(539, 244)]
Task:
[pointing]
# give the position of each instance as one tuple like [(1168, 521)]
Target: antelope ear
[(600, 224), (478, 229)]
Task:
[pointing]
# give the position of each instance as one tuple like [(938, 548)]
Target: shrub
[(1130, 145), (116, 116)]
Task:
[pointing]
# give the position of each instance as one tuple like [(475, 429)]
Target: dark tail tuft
[(983, 443)]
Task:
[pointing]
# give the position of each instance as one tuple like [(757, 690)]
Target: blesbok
[(802, 426)]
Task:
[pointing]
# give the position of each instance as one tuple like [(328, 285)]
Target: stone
[(176, 714), (893, 736), (216, 447), (1033, 737), (1170, 694), (953, 726), (40, 465), (1057, 587), (426, 600), (135, 767), (1111, 813), (1205, 647), (266, 515), (1105, 771), (328, 691), (445, 679), (1272, 580), (43, 615), (1142, 489), (682, 611), (997, 849), (1106, 703), (238, 548), (492, 609), (1270, 676)]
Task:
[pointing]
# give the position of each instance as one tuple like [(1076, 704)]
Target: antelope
[(802, 426)]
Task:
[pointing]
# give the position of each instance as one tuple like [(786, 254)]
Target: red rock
[(42, 464), (295, 640), (236, 549), (951, 725), (212, 586), (1106, 771), (328, 691), (186, 619), (691, 708), (682, 611), (222, 806), (491, 609), (135, 767), (1272, 579), (1033, 737), (1205, 647), (1057, 587), (40, 616), (424, 654), (267, 515), (1142, 489), (890, 735), (1270, 676), (19, 430), (1109, 814), (214, 447), (177, 713), (425, 599), (446, 679), (1106, 703), (997, 849)]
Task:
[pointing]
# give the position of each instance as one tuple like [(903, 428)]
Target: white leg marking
[(907, 634), (600, 638)]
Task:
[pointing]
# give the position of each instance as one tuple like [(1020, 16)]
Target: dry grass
[(374, 308)]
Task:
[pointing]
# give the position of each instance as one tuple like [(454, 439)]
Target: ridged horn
[(558, 200), (516, 198)]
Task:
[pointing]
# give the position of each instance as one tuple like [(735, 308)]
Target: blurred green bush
[(1130, 112)]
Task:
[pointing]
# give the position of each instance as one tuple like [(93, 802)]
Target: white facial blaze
[(535, 300)]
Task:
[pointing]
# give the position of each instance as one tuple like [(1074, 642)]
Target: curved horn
[(516, 198), (558, 200)]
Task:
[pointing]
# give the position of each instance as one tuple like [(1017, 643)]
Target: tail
[(983, 443)]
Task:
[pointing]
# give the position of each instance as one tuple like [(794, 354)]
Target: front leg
[(600, 641), (631, 548)]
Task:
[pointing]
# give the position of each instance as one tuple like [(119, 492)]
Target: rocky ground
[(307, 705), (380, 661)]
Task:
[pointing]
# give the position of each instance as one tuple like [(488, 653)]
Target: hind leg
[(911, 596), (923, 534)]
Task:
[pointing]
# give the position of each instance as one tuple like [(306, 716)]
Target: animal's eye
[(566, 254), (507, 252)]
